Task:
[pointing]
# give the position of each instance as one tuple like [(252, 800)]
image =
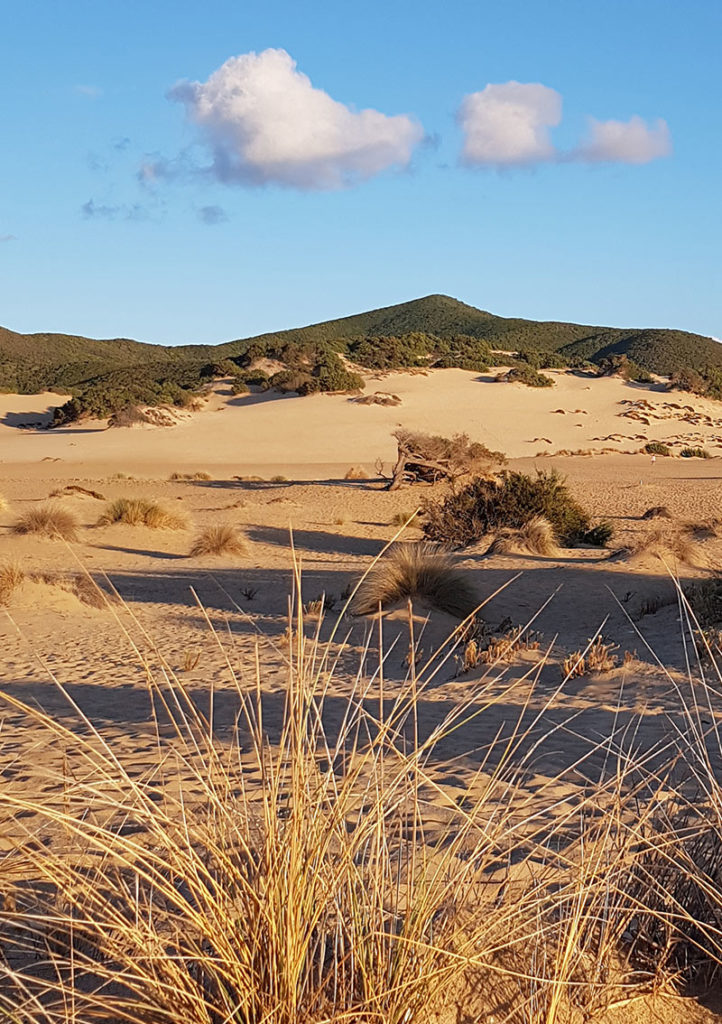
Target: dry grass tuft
[(48, 521), (356, 473), (11, 577), (416, 571), (190, 476), (668, 544), (77, 489), (598, 657), (537, 537), (141, 512), (3, 503), (223, 539)]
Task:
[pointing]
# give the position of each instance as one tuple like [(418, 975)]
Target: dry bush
[(200, 475), (223, 539), (11, 577), (3, 503), (404, 518), (704, 600), (537, 537), (141, 512), (671, 544), (48, 521), (356, 473), (598, 657), (429, 458), (131, 416), (416, 571), (77, 489), (657, 512), (378, 398)]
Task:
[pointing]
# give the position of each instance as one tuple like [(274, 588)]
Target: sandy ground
[(50, 634), (323, 434)]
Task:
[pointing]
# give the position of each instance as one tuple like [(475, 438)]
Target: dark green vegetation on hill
[(104, 376)]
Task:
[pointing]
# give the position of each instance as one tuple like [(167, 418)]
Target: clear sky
[(178, 171)]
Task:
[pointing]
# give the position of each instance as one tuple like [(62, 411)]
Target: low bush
[(657, 448), (526, 374), (429, 458), (239, 386), (141, 512), (421, 572), (356, 473), (199, 475), (509, 502), (695, 453), (48, 521), (219, 540)]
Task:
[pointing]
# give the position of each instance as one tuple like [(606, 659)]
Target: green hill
[(435, 330)]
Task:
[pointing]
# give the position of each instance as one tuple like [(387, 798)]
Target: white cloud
[(8, 238), (266, 123), (93, 92), (507, 125), (628, 142)]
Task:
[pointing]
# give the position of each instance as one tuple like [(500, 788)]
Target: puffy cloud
[(507, 125), (628, 142), (264, 122)]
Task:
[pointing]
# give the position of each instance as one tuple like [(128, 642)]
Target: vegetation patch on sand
[(142, 512), (416, 572), (223, 539), (536, 537), (48, 520), (510, 501)]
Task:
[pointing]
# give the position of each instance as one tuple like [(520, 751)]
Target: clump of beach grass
[(331, 891), (222, 539), (356, 473), (11, 577), (199, 475), (536, 537), (142, 512), (673, 544), (416, 572), (48, 520)]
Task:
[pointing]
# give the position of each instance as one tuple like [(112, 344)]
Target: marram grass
[(309, 868)]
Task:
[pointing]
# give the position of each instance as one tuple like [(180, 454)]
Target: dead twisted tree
[(429, 458)]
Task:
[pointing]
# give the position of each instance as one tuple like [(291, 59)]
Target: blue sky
[(131, 206)]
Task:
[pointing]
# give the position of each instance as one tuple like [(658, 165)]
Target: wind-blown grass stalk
[(295, 870)]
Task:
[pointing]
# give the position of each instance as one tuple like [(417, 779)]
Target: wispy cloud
[(115, 211), (265, 123), (509, 125), (212, 215), (8, 238), (628, 142), (92, 92)]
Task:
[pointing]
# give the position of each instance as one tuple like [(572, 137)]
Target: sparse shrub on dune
[(3, 503), (199, 475), (669, 545), (417, 572), (657, 512), (141, 512), (48, 521), (536, 537), (428, 458), (704, 598), (657, 448), (356, 473), (11, 577), (695, 453), (223, 539), (508, 502)]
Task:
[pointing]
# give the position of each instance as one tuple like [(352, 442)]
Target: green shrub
[(509, 502), (525, 374), (657, 448), (695, 453), (239, 386)]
